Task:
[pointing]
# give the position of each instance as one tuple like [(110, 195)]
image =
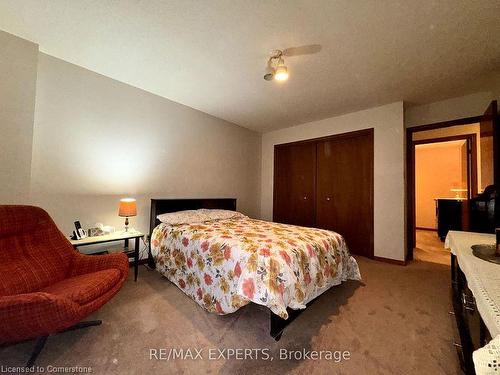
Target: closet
[(328, 183)]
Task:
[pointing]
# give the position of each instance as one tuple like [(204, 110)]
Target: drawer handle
[(468, 305), (457, 345), (451, 312)]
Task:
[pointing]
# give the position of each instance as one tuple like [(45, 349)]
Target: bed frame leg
[(151, 261), (277, 326), (278, 336)]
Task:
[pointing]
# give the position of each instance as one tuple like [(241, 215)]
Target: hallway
[(430, 249)]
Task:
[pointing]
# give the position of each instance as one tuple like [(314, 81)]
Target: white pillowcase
[(197, 216), (183, 217), (216, 214)]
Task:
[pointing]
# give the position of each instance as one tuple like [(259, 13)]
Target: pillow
[(183, 217), (221, 214)]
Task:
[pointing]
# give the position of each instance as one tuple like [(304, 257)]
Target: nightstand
[(114, 237)]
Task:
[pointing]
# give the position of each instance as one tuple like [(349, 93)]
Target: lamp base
[(126, 224)]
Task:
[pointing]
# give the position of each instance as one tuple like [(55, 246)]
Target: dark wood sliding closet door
[(345, 189), (294, 184), (328, 183)]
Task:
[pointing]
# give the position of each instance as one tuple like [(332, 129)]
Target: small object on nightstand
[(107, 229), (78, 233), (94, 232), (99, 229), (128, 208)]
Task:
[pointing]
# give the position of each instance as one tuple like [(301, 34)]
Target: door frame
[(410, 173), (471, 139), (367, 132)]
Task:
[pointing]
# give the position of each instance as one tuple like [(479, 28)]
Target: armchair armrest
[(83, 264), (30, 315)]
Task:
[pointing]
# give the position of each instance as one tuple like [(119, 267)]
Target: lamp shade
[(128, 207)]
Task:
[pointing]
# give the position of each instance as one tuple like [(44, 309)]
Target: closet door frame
[(336, 137)]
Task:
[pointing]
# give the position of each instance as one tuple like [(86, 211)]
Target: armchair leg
[(86, 324), (40, 342)]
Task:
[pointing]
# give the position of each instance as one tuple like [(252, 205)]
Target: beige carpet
[(396, 322)]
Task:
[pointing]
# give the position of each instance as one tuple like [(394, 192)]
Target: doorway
[(475, 141), (445, 178)]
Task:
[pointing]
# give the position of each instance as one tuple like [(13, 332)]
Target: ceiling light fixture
[(276, 68)]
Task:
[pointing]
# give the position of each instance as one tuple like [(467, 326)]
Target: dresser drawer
[(456, 322), (465, 314), (471, 317)]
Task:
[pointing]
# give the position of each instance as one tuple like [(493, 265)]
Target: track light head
[(269, 74), (281, 73)]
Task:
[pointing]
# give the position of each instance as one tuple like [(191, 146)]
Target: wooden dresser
[(475, 295), (451, 214)]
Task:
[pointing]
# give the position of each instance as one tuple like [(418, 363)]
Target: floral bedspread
[(225, 264)]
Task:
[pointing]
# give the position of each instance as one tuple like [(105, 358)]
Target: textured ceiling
[(211, 55)]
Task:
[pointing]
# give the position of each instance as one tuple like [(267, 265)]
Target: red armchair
[(45, 285)]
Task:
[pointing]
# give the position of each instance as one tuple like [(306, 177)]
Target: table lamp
[(128, 208), (458, 192)]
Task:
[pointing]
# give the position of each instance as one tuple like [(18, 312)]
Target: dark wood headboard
[(162, 206)]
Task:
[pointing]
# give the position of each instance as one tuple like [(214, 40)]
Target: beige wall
[(97, 140), (496, 87), (450, 109), (389, 199), (439, 167), (455, 108), (18, 59)]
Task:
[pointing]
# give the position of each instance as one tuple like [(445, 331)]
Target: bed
[(226, 263)]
